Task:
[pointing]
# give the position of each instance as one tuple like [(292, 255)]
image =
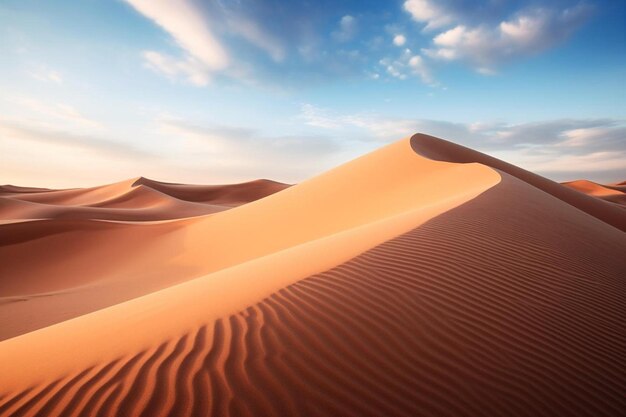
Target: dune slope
[(508, 301)]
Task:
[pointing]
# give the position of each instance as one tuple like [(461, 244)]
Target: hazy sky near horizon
[(217, 91)]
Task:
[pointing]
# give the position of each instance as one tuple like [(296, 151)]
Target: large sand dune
[(421, 279)]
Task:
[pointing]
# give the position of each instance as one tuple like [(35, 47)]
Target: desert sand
[(421, 279)]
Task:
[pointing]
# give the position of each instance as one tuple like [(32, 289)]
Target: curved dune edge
[(475, 312), (442, 150), (112, 263)]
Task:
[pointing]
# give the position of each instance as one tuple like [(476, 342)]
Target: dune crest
[(391, 285), (440, 149)]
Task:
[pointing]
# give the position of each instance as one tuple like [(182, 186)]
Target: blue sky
[(220, 91)]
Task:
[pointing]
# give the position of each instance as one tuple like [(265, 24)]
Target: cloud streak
[(203, 54), (184, 21), (247, 152), (57, 112), (18, 131)]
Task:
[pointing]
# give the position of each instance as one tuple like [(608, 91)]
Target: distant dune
[(615, 193), (423, 279), (138, 199)]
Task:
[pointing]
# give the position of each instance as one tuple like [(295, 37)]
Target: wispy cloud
[(248, 152), (188, 68), (377, 128), (252, 32), (408, 64), (199, 30), (57, 112), (347, 30), (184, 21), (47, 75), (18, 131)]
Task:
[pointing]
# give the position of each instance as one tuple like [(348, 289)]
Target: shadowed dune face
[(390, 286), (230, 195), (472, 313)]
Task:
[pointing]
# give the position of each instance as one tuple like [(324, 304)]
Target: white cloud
[(429, 12), (399, 40), (408, 64), (486, 46), (451, 37), (347, 29)]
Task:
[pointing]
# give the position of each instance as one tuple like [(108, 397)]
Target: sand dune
[(137, 199), (230, 195), (16, 189), (614, 193), (114, 262), (392, 285)]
